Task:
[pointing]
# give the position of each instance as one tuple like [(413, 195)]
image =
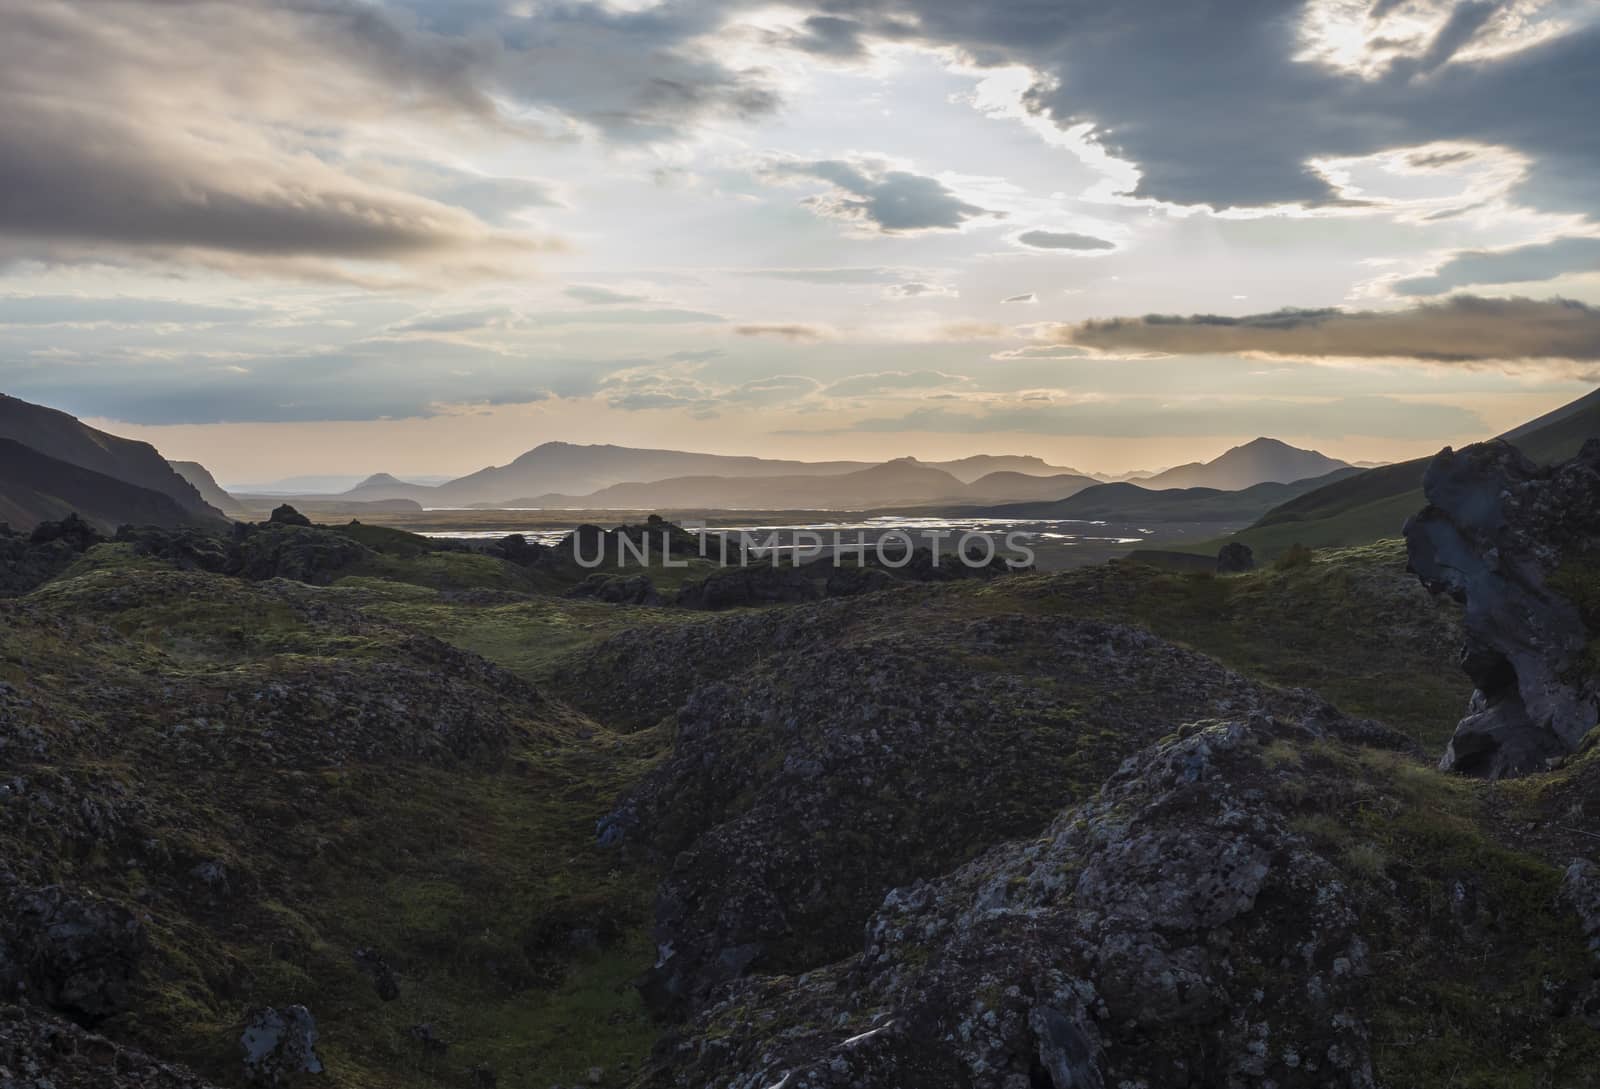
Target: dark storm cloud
[(1522, 264), (1063, 240), (72, 177), (1208, 100), (163, 129), (1463, 329), (830, 36), (873, 193)]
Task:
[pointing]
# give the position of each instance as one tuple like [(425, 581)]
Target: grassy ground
[(518, 939), (1351, 624), (514, 935)]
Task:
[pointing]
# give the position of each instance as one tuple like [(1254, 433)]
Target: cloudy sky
[(422, 236)]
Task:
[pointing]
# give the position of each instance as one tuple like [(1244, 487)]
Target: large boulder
[(285, 515), (280, 1046), (1504, 536), (1235, 558)]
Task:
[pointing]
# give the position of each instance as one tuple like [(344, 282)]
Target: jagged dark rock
[(292, 551), (79, 535), (38, 1049), (617, 589), (1174, 930), (517, 549), (185, 549), (804, 784), (759, 584), (285, 515), (428, 1037), (280, 1045), (633, 544), (1580, 887), (1498, 533), (384, 982), (27, 561), (1234, 558), (77, 954)]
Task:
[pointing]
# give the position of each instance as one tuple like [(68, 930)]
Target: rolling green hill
[(1375, 504)]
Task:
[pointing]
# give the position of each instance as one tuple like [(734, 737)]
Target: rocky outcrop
[(1174, 930), (291, 551), (1580, 888), (617, 589), (760, 584), (38, 1049), (806, 784), (285, 515), (77, 954), (1502, 535), (1234, 558), (280, 1046), (28, 560)]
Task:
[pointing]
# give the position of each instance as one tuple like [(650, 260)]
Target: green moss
[(1352, 625), (1577, 579)]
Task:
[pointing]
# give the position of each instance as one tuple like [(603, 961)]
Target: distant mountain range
[(1127, 502), (902, 482), (52, 463), (569, 476), (1241, 484)]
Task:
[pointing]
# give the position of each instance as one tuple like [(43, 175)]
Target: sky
[(289, 237)]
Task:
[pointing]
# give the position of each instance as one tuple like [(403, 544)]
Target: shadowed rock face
[(1173, 931), (856, 757), (1496, 530)]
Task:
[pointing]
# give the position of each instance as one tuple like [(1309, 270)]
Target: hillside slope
[(1375, 503), (203, 482), (66, 438), (36, 488)]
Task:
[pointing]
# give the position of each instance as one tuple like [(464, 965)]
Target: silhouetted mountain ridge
[(36, 488), (66, 438), (1259, 461)]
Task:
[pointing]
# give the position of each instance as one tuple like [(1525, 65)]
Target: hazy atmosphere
[(816, 544), (296, 237)]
